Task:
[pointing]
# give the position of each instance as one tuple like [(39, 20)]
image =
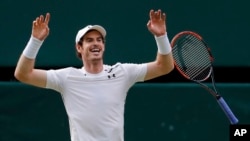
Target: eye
[(89, 40), (99, 39)]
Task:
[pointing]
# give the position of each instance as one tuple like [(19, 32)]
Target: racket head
[(192, 56)]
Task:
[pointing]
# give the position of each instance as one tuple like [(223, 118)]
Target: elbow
[(172, 66), (165, 64), (169, 68), (166, 67), (20, 76), (17, 75)]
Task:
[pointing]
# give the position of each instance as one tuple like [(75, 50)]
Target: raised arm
[(25, 71), (163, 63)]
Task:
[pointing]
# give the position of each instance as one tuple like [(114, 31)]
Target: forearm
[(164, 59), (164, 62), (26, 73), (25, 65)]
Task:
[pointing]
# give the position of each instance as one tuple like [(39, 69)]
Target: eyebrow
[(99, 37)]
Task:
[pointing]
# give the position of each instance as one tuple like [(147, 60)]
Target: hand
[(40, 28), (156, 24)]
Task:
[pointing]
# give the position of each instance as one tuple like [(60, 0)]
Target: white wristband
[(32, 48), (163, 44)]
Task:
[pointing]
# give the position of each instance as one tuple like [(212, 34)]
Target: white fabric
[(95, 102), (163, 44), (32, 48)]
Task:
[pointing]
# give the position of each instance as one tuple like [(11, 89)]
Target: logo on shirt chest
[(111, 72)]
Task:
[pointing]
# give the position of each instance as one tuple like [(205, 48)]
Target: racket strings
[(192, 57)]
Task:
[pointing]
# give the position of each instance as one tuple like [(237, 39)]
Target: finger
[(155, 15), (37, 21), (151, 14), (158, 14), (149, 23), (47, 18), (163, 16), (41, 18), (34, 23)]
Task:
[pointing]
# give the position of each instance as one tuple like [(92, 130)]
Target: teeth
[(95, 50)]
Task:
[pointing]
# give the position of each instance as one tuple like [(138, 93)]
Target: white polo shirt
[(95, 102)]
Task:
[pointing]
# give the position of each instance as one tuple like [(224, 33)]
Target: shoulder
[(127, 67), (119, 64), (132, 65), (133, 72), (64, 71)]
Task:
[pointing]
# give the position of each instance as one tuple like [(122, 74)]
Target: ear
[(104, 48), (78, 48)]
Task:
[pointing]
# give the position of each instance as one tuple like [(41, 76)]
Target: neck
[(93, 68)]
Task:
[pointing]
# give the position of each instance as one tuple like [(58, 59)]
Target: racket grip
[(227, 111)]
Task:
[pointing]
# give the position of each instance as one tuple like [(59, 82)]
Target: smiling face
[(91, 48)]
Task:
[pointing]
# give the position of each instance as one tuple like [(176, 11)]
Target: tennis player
[(94, 95)]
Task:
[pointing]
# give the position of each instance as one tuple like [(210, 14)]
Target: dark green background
[(154, 112), (224, 24)]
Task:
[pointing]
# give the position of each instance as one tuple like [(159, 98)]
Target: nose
[(96, 42)]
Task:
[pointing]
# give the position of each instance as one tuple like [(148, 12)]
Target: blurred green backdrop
[(153, 112), (224, 25)]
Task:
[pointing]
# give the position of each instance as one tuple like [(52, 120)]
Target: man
[(94, 95)]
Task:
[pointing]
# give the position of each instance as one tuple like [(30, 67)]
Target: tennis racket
[(193, 59)]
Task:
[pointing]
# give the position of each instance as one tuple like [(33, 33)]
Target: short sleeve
[(135, 72), (56, 79)]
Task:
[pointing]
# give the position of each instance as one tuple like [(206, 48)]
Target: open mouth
[(95, 50)]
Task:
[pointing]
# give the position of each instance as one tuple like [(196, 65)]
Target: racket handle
[(227, 111)]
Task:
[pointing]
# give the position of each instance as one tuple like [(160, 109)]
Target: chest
[(106, 89)]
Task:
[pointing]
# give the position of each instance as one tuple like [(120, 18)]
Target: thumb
[(149, 24)]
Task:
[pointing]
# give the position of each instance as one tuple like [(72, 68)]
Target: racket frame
[(219, 98)]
